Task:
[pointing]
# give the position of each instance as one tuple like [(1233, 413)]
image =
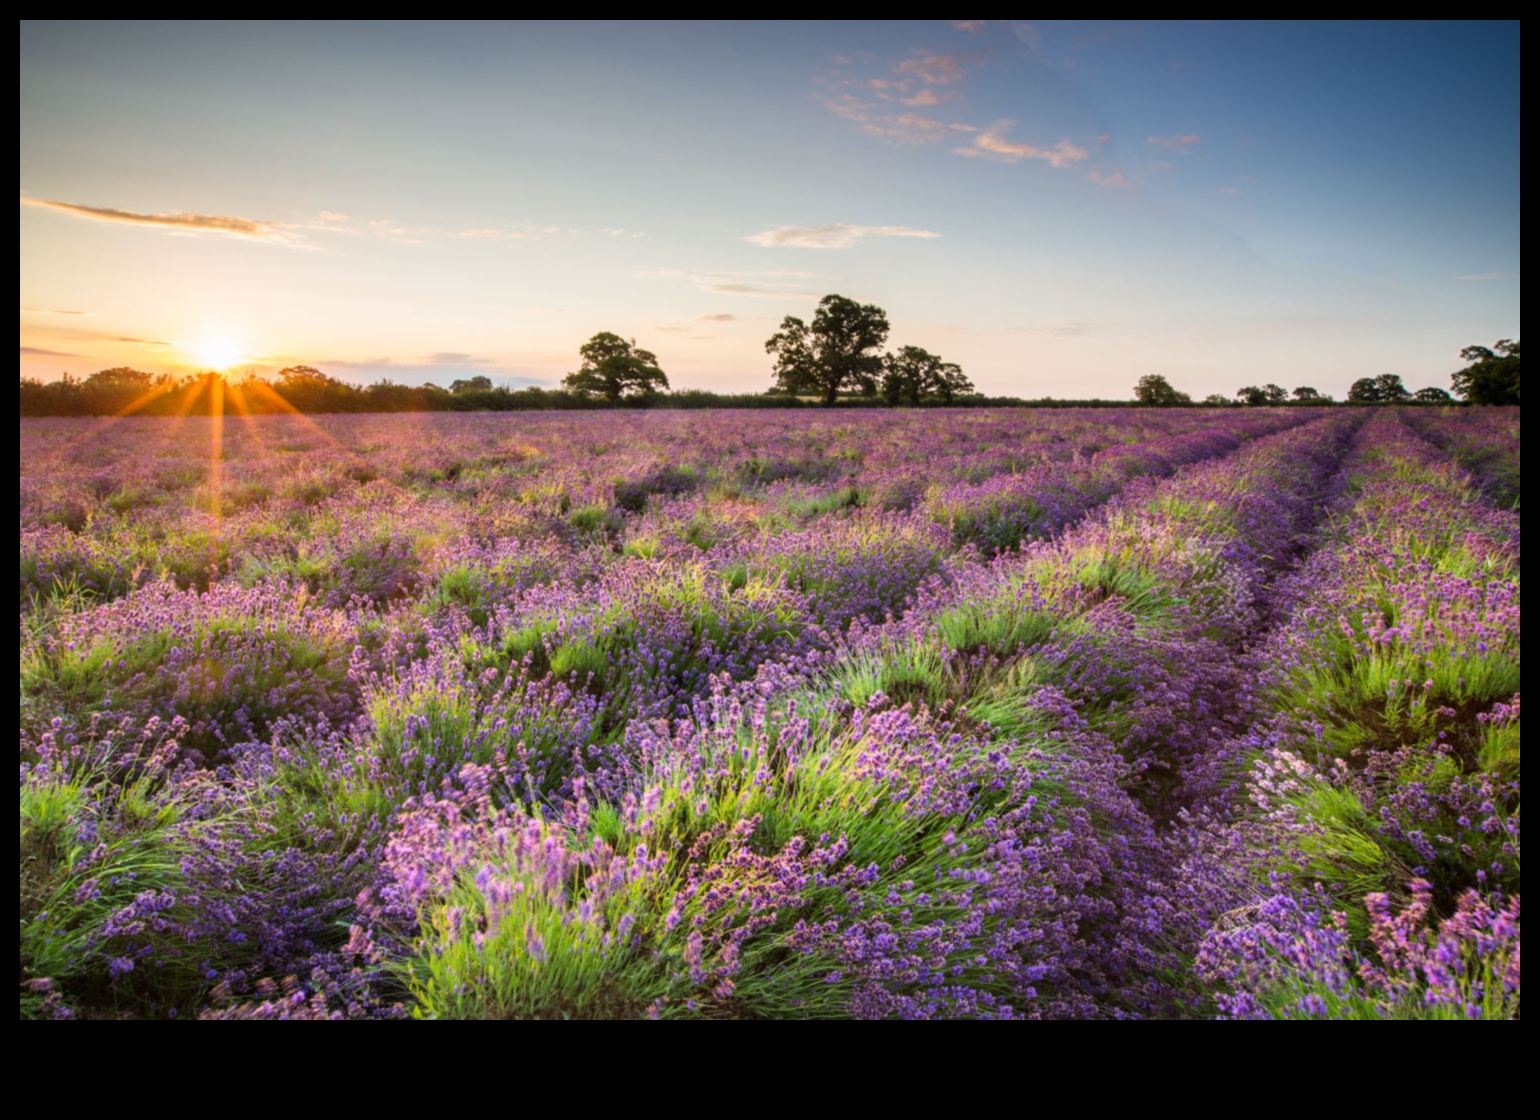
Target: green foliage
[(1384, 389), (835, 353), (1153, 389), (92, 841), (1492, 376), (913, 374), (614, 367)]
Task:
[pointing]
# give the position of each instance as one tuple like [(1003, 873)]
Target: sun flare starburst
[(218, 352)]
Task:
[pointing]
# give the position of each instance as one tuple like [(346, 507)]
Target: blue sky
[(1060, 207)]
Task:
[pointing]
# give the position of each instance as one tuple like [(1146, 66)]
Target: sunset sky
[(1059, 207)]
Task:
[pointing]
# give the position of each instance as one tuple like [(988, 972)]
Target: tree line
[(836, 361), (1491, 376)]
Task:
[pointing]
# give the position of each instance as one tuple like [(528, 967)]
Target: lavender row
[(1387, 780), (1486, 444)]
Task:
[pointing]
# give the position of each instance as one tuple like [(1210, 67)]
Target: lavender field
[(931, 714)]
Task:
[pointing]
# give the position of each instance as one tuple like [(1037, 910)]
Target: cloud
[(993, 144), (769, 283), (897, 128), (39, 352), (970, 25), (455, 358), (1487, 276), (1064, 328), (491, 233), (246, 228), (1231, 191), (924, 97), (838, 236), (1109, 179), (1179, 143), (721, 317), (933, 69), (55, 311)]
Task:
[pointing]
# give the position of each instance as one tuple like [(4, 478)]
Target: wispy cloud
[(837, 236), (895, 127), (993, 144), (455, 358), (970, 25), (721, 317), (1115, 179), (84, 334), (1063, 328), (1178, 143), (40, 352), (246, 228), (55, 311), (933, 69), (1487, 276), (883, 105), (768, 284)]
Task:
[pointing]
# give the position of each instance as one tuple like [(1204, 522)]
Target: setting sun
[(216, 352)]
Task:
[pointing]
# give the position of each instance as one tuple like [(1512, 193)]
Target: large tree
[(614, 366), (1492, 377), (839, 351), (1153, 389)]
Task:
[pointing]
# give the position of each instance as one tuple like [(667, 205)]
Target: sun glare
[(217, 352)]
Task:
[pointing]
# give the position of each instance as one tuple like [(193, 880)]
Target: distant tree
[(1384, 389), (471, 385), (121, 376), (1251, 395), (906, 374), (613, 367), (1276, 394), (1492, 377), (1217, 399), (309, 390), (947, 381), (837, 352), (1153, 389), (1306, 393), (1432, 395), (913, 373)]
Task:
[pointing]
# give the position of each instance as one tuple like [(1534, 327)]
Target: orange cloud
[(936, 69), (837, 236), (248, 228), (993, 144)]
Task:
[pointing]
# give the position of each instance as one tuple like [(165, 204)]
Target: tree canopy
[(914, 373), (614, 367), (1262, 394), (1153, 389), (839, 351), (1492, 376), (1384, 389)]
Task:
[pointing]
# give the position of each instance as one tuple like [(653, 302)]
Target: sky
[(1059, 207)]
